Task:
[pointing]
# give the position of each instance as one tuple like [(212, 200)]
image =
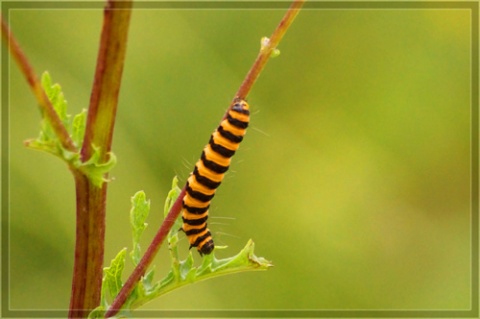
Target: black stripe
[(195, 222), (195, 210), (205, 181), (201, 238), (236, 123), (229, 135), (217, 148), (196, 231), (199, 195), (211, 165)]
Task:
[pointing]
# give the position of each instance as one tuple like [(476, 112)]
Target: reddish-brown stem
[(147, 258), (267, 50), (44, 103), (91, 199), (87, 272), (174, 212), (108, 75)]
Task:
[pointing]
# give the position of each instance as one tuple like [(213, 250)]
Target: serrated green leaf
[(168, 279), (147, 281), (46, 146), (46, 81), (182, 272), (172, 196), (138, 216), (47, 135), (78, 128), (56, 97), (47, 141), (139, 212), (94, 169), (112, 275), (172, 237), (185, 268), (97, 313)]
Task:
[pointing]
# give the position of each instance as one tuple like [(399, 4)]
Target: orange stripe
[(219, 139), (208, 173), (187, 215), (194, 237), (233, 129), (196, 186), (192, 202), (186, 227), (211, 155), (240, 116), (206, 240)]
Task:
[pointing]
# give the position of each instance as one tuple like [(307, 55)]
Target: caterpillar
[(208, 175)]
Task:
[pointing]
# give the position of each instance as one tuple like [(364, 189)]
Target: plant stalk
[(148, 257), (91, 199), (267, 50), (46, 107)]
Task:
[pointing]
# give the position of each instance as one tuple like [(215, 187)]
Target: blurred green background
[(354, 177)]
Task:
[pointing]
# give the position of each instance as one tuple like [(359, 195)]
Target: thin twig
[(174, 212), (147, 258), (44, 103), (268, 48)]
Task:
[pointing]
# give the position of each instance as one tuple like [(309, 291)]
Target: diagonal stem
[(174, 212), (43, 101), (267, 50)]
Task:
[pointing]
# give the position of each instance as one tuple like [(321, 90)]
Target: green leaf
[(97, 313), (47, 141), (172, 196), (112, 276), (147, 281), (182, 272), (211, 267), (138, 216), (78, 128), (55, 95), (94, 169), (172, 237)]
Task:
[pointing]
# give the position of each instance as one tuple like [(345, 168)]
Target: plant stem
[(44, 103), (267, 50), (108, 75), (147, 258), (91, 200), (90, 233), (174, 212)]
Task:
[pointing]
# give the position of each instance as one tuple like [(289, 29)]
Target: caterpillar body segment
[(208, 175)]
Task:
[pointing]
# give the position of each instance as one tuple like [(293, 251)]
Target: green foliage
[(182, 272), (111, 283), (138, 215), (113, 275), (78, 127), (47, 140), (94, 168)]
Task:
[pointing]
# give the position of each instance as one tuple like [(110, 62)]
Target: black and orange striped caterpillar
[(208, 175)]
